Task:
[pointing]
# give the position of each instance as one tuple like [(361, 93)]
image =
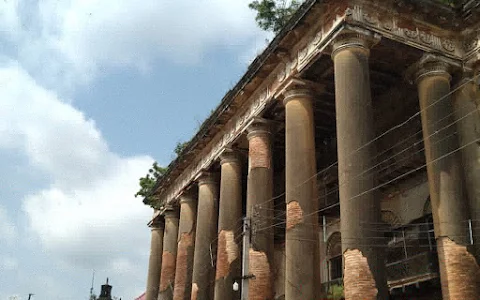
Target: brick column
[(260, 210), (364, 268), (467, 117), (301, 239), (155, 261), (169, 257), (207, 215), (459, 271), (186, 246), (229, 226)]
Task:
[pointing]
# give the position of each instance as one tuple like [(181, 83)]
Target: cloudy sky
[(91, 93)]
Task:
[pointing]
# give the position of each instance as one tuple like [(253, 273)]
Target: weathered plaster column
[(155, 261), (186, 246), (260, 210), (364, 268), (207, 216), (169, 257), (301, 240), (229, 226), (459, 271), (467, 116)]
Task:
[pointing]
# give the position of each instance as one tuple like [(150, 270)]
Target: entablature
[(308, 41)]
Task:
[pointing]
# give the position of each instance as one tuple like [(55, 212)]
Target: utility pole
[(30, 296), (245, 260), (91, 289)]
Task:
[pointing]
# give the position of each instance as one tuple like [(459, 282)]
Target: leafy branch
[(148, 182), (272, 15)]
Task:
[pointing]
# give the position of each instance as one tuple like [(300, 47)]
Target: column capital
[(355, 38), (230, 155), (429, 65), (157, 223), (298, 88), (206, 177), (259, 126), (171, 211), (186, 197)]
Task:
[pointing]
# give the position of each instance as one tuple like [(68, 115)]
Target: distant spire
[(107, 280)]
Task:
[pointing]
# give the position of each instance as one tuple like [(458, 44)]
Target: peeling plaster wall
[(409, 204)]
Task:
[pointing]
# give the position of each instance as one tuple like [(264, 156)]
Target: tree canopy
[(148, 182), (272, 15)]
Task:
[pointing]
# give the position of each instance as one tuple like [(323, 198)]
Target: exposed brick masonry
[(168, 271), (460, 270), (358, 279), (294, 214), (260, 286), (183, 282), (228, 252)]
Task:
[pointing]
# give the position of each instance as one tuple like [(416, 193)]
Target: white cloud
[(88, 215), (9, 19), (89, 35), (8, 263), (8, 231)]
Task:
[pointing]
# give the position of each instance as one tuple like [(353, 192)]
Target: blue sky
[(91, 93)]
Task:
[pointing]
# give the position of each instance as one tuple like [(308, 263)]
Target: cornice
[(307, 50), (317, 42), (407, 31)]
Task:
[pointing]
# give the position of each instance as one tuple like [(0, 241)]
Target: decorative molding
[(384, 24), (259, 126), (354, 37), (230, 155), (392, 26), (430, 65), (291, 65)]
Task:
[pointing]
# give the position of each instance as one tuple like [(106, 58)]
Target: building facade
[(351, 148)]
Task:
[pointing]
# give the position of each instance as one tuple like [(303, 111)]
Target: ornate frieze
[(407, 32), (385, 24), (315, 43)]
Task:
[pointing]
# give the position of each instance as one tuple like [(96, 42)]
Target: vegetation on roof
[(272, 15)]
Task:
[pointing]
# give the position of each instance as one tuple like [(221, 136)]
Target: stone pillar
[(207, 215), (467, 117), (260, 210), (186, 246), (364, 268), (169, 257), (229, 226), (301, 239), (155, 261), (459, 272)]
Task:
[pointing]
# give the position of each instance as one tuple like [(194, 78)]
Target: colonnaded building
[(351, 146)]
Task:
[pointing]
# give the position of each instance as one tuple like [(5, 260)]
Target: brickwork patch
[(358, 278), (184, 254), (259, 152), (460, 270), (261, 285), (294, 214), (227, 253), (168, 270)]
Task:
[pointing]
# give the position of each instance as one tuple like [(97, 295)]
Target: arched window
[(334, 256)]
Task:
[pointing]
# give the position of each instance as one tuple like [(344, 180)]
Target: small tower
[(106, 292)]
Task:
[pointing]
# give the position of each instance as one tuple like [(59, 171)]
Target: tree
[(148, 182), (180, 147), (272, 15)]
